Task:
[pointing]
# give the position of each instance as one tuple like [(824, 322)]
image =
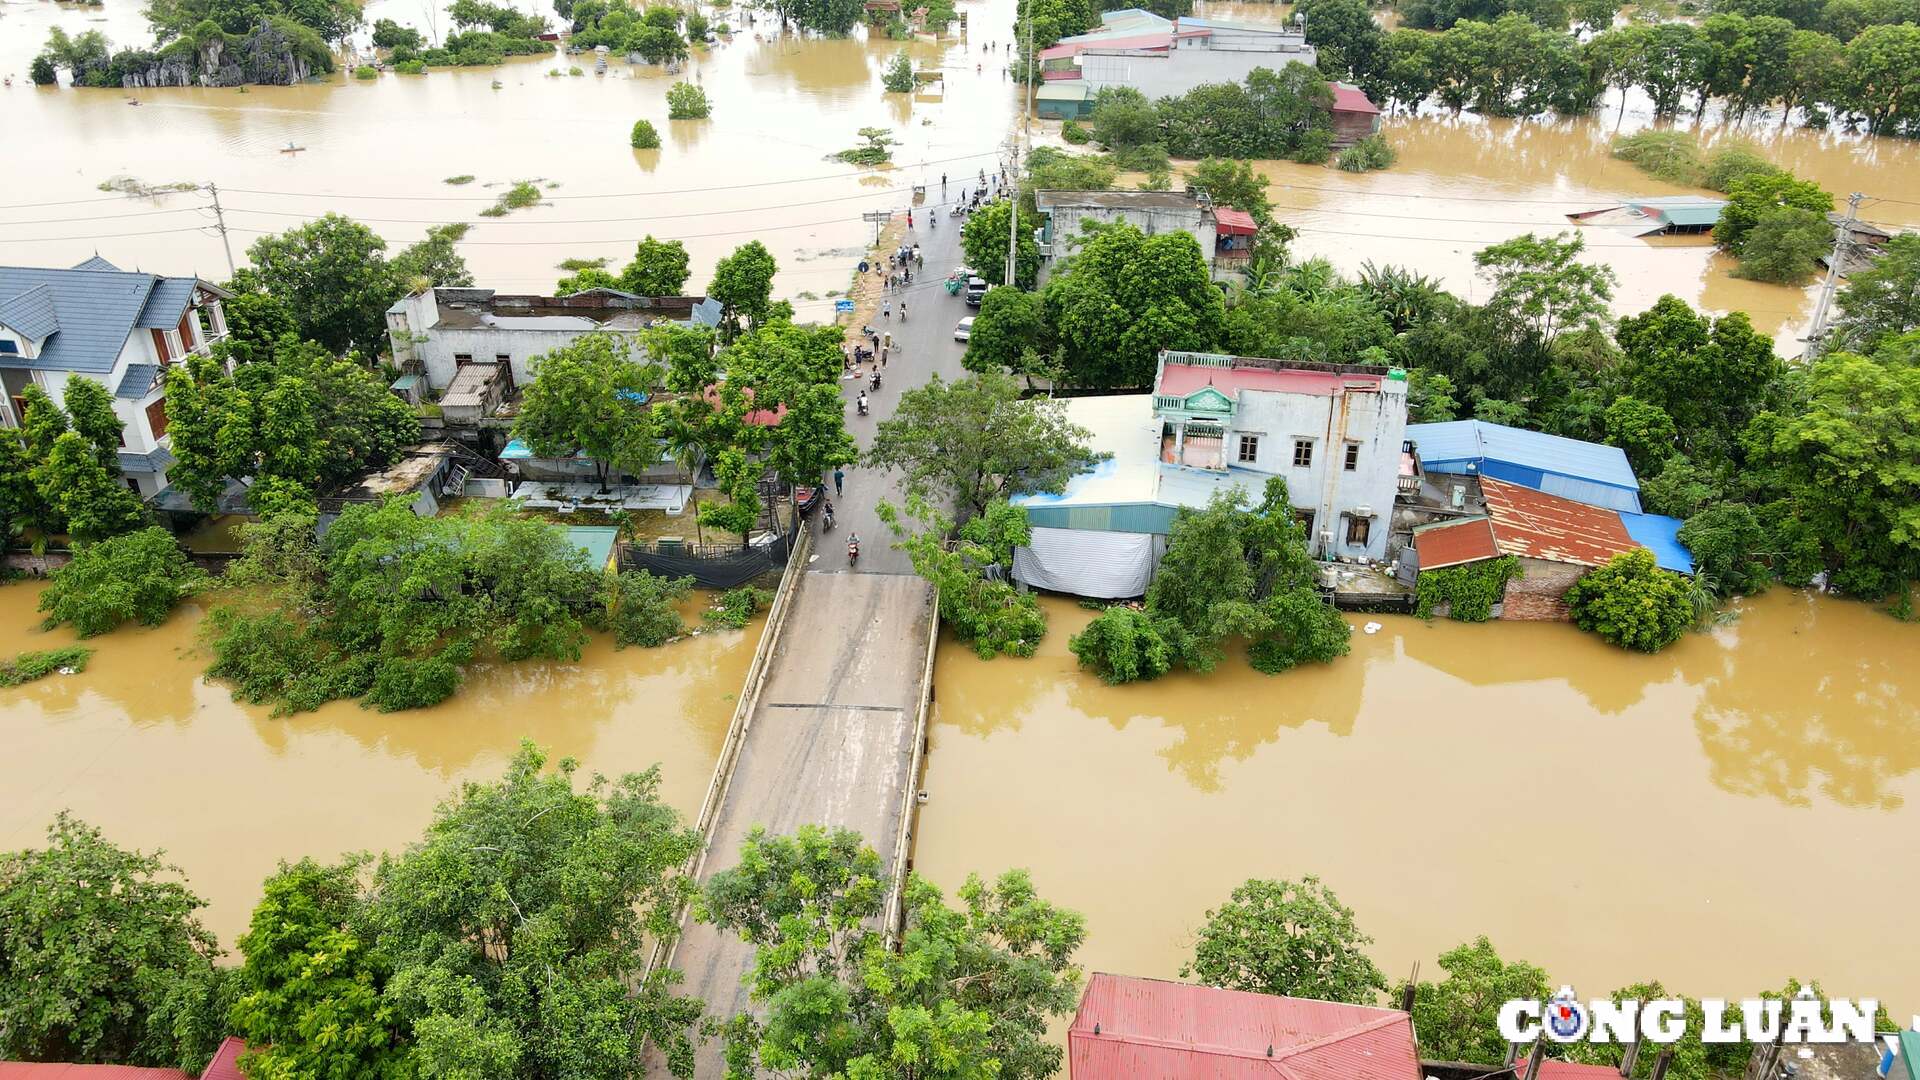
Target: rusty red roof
[(1552, 1069), (1231, 222), (1182, 379), (1542, 526), (226, 1061), (1352, 99), (1134, 1027), (1454, 542)]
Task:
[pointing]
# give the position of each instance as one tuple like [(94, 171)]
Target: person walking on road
[(839, 480)]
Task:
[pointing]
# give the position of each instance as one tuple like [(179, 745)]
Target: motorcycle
[(861, 403), (826, 518), (875, 379), (853, 550)]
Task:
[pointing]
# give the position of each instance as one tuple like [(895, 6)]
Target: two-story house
[(120, 328), (1219, 423)]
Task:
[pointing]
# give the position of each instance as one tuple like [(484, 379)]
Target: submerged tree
[(1290, 938)]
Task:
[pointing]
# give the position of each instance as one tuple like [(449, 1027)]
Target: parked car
[(964, 331), (976, 291)]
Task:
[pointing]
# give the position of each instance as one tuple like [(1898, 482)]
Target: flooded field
[(380, 151), (1736, 810), (139, 745)]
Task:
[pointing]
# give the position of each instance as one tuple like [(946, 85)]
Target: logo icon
[(1566, 1018)]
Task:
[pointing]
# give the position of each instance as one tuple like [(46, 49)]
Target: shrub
[(1301, 628), (1784, 246), (737, 607), (1632, 603), (415, 66), (898, 78), (463, 178), (1732, 164), (267, 656), (642, 608), (366, 71), (402, 682), (1670, 155), (1372, 152), (1313, 147), (42, 71), (1725, 541), (29, 666), (138, 576), (686, 101), (1469, 590), (696, 26), (1074, 133), (1123, 644), (644, 136)]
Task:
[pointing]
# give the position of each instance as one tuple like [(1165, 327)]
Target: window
[(1303, 453), (1358, 530), (502, 358), (1249, 447), (157, 418), (8, 347), (463, 358), (1353, 456)]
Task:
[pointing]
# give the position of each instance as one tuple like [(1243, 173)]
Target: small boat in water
[(291, 149)]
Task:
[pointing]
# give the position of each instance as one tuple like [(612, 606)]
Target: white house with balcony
[(1221, 423), (121, 329)]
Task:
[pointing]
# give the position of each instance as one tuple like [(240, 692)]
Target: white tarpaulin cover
[(1084, 562)]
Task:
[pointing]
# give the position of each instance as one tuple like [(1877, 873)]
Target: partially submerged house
[(1219, 424), (437, 331), (1167, 57), (120, 328), (427, 474), (1666, 215), (1225, 235), (1128, 1027), (1583, 471)]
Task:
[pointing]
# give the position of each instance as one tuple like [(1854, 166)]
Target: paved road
[(923, 346), (830, 740)]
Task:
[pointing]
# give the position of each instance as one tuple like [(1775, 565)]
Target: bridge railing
[(895, 918)]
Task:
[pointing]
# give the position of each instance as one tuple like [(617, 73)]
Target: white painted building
[(439, 330), (121, 329), (1152, 212), (1216, 423), (1197, 51)]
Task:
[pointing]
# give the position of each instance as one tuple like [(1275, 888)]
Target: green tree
[(969, 995), (659, 267), (1728, 545), (644, 136), (1123, 118), (1234, 184), (91, 411), (792, 372), (530, 961), (1881, 79), (898, 78), (987, 613), (974, 441), (333, 277), (664, 45), (1644, 431), (92, 501), (1750, 199), (310, 993), (1297, 627), (685, 101), (138, 577), (589, 396), (985, 236), (1051, 169), (1883, 301), (1344, 31), (1292, 938), (432, 261), (1632, 603), (1010, 323), (644, 609), (1457, 1017), (1123, 644), (105, 959), (1125, 297), (1540, 284), (1711, 376), (743, 283), (1784, 246)]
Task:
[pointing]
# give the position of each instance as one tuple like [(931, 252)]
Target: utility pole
[(1842, 248), (1013, 172), (220, 222)]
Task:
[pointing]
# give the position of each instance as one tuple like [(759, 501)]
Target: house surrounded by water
[(1217, 423), (120, 328)]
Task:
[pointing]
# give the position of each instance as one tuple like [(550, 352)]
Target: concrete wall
[(1154, 221), (1191, 63), (413, 336), (1375, 422), (1537, 595)]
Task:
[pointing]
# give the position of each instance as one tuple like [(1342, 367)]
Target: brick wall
[(1537, 596)]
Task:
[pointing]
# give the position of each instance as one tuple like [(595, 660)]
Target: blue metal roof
[(166, 303), (1661, 535), (1586, 472), (137, 381), (96, 309)]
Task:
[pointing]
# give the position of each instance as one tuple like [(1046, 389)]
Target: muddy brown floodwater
[(141, 746), (1736, 810)]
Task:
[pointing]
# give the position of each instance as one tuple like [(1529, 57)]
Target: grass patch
[(522, 194), (1372, 152), (1672, 156), (574, 266), (737, 607), (29, 666), (463, 178)]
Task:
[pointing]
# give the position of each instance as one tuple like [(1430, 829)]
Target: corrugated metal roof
[(1174, 1031), (226, 1061), (137, 380), (1910, 1053), (31, 314), (1542, 526), (1685, 210), (1458, 441), (97, 310), (1661, 535), (1348, 98), (1450, 543), (60, 1070), (1062, 91), (166, 303), (1555, 1069), (469, 385), (1231, 222)]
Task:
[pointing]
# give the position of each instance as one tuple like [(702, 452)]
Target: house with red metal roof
[(224, 1066), (1130, 1027)]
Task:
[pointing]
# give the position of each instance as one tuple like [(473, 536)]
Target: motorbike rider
[(826, 515), (861, 403), (853, 548)]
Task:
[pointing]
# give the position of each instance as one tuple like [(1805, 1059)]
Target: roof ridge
[(1375, 1024)]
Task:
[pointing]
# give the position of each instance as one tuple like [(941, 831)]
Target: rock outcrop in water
[(272, 54)]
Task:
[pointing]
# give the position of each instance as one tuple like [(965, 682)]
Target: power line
[(994, 153), (97, 236), (873, 193), (103, 217), (65, 202)]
